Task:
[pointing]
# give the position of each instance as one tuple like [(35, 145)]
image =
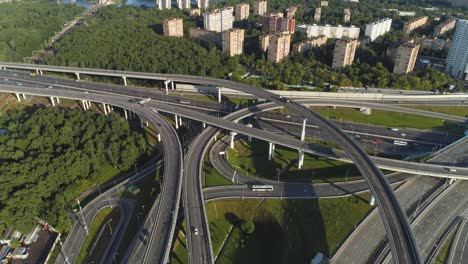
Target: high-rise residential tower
[(457, 60), (233, 41), (173, 27), (343, 54), (279, 46), (219, 20), (242, 11), (406, 56), (260, 7)]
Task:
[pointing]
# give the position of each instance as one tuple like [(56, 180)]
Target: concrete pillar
[(176, 118), (451, 181), (109, 109), (125, 113), (84, 104), (58, 100), (40, 71), (18, 97), (37, 71), (24, 96), (271, 150), (303, 129), (166, 83), (172, 85), (219, 94), (249, 137), (233, 135), (89, 104), (124, 80), (204, 125), (52, 101), (105, 110), (77, 75), (180, 121), (301, 159), (159, 137), (147, 123), (366, 110), (372, 201)]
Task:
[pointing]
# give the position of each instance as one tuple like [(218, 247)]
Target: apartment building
[(233, 41), (260, 8), (346, 15), (279, 46), (406, 56), (378, 28), (317, 14), (219, 20), (413, 24), (241, 11), (337, 32), (173, 27), (308, 44), (444, 27), (343, 54), (457, 60)]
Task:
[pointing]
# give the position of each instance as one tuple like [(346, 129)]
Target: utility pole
[(84, 220)]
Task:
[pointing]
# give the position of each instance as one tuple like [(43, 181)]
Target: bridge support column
[(180, 121), (147, 123), (52, 101), (172, 85), (204, 125), (271, 150), (233, 135), (109, 109), (37, 71), (18, 97), (58, 100), (249, 137), (219, 94), (89, 104), (141, 123), (304, 122), (105, 110), (124, 80), (176, 118), (159, 137), (125, 113), (300, 162), (451, 181), (366, 110), (372, 200), (83, 102), (166, 85), (77, 75), (24, 96), (40, 71)]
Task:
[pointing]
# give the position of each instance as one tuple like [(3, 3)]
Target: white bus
[(400, 143), (262, 188)]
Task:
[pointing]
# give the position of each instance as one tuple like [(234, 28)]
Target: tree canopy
[(46, 151)]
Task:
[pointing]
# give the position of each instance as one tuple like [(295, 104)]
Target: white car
[(195, 231)]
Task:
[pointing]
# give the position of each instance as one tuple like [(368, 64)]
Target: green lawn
[(388, 119), (211, 177), (179, 251), (286, 231), (101, 218), (252, 158), (452, 110)]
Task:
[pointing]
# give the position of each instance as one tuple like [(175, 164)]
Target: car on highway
[(195, 231), (183, 101)]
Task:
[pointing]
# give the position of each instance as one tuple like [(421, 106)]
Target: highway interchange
[(394, 219)]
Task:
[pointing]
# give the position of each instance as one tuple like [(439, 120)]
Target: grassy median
[(285, 231), (252, 159)]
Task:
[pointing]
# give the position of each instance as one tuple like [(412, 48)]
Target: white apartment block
[(457, 60), (260, 7), (219, 20), (378, 28), (242, 11), (203, 3), (164, 4), (328, 31), (184, 4)]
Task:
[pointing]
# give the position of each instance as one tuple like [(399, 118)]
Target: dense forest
[(47, 151), (24, 26), (130, 38)]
